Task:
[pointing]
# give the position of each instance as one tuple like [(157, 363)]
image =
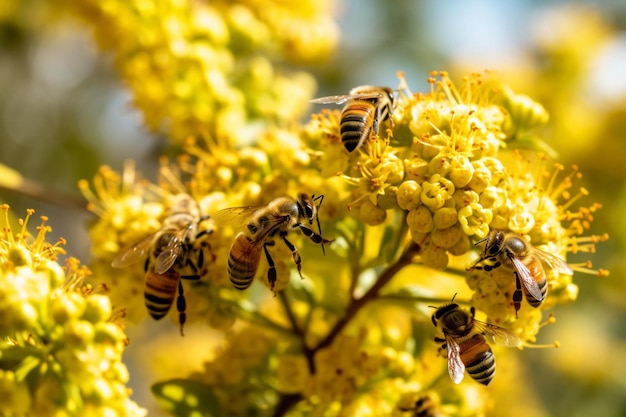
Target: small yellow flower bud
[(67, 306), (462, 171), (435, 257), (461, 247), (463, 197), (418, 237), (492, 197), (19, 256), (20, 316), (394, 169), (408, 195), (78, 332), (440, 164), (98, 308), (498, 171), (416, 169), (446, 238), (420, 220), (481, 178), (99, 390), (108, 333), (389, 200), (525, 112), (371, 214), (445, 217)]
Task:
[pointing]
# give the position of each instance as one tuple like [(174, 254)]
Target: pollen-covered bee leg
[(271, 271), (517, 295), (181, 305), (294, 252)]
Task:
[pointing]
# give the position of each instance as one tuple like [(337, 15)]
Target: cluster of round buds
[(445, 163), (452, 186), (195, 64), (62, 343)]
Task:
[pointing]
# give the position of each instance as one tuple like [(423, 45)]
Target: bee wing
[(236, 216), (340, 99), (133, 254), (174, 248), (527, 280), (456, 368), (554, 262), (499, 335)]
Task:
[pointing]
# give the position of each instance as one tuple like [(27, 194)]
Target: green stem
[(370, 295), (287, 401)]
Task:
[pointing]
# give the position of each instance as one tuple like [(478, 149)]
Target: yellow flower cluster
[(61, 342), (448, 166), (444, 177), (206, 67), (134, 215)]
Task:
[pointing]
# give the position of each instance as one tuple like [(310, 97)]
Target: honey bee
[(171, 254), (426, 405), (366, 107), (466, 345), (264, 223), (514, 253)]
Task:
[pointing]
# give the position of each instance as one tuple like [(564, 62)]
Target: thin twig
[(287, 401), (371, 294)]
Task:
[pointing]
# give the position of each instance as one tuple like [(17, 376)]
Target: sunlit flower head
[(62, 343)]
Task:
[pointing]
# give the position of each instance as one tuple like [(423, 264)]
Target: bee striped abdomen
[(160, 291), (243, 260), (356, 125), (479, 360)]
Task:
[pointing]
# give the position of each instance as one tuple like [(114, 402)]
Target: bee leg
[(294, 252), (316, 238), (181, 305), (271, 272), (517, 295), (319, 228), (205, 244), (377, 119)]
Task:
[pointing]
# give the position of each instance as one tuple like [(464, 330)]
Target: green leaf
[(187, 398)]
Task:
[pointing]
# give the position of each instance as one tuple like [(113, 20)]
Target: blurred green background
[(64, 112)]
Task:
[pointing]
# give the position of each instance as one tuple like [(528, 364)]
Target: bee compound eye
[(517, 244)]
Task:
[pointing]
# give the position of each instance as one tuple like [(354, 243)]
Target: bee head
[(391, 96), (306, 207), (494, 243), (443, 310)]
